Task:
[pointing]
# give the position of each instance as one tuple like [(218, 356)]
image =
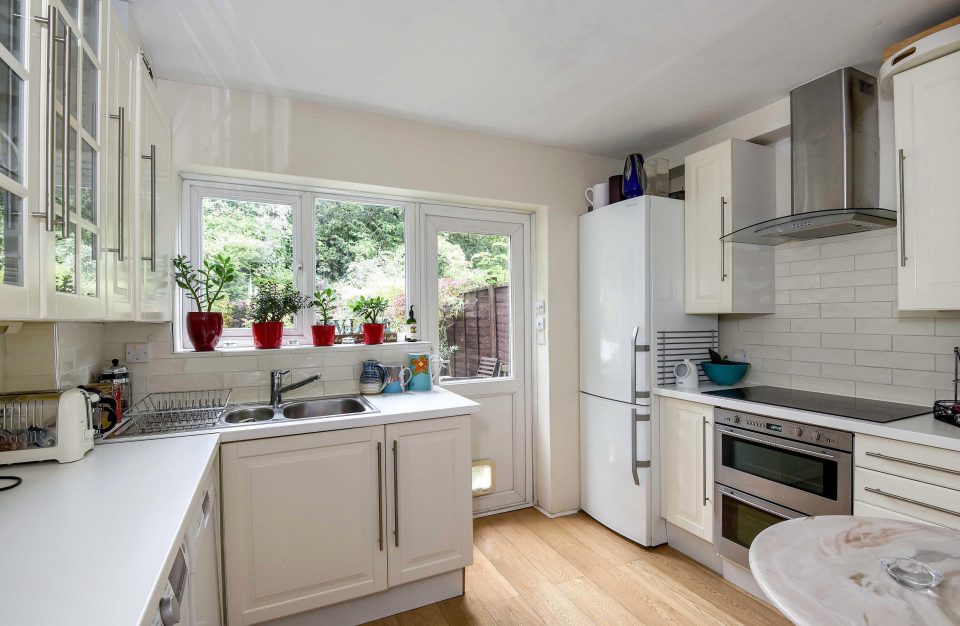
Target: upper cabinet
[(156, 206), (70, 172), (728, 186), (927, 132)]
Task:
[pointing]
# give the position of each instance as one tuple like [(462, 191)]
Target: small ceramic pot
[(204, 330), (323, 334), (267, 335)]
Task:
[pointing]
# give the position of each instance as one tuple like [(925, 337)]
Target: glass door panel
[(474, 312), (11, 23), (11, 122), (90, 92), (11, 239), (91, 23)]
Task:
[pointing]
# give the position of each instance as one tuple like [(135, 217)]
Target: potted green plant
[(324, 333), (271, 305), (371, 311), (205, 287)]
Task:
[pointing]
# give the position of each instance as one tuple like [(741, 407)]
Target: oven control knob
[(797, 432), (736, 419), (816, 435)]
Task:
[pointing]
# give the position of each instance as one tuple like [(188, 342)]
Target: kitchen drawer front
[(871, 510), (929, 503), (909, 460)]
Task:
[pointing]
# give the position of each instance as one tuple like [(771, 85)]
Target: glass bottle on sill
[(411, 326)]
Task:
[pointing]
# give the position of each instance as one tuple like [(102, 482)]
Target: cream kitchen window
[(310, 238)]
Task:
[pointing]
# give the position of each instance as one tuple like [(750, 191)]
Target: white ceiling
[(604, 76)]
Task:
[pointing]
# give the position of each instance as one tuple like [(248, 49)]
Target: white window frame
[(303, 199)]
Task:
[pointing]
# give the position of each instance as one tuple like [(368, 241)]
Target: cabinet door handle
[(932, 507), (914, 463), (50, 21), (380, 495), (152, 157), (723, 224), (65, 224), (903, 221), (120, 116), (396, 499), (706, 498)]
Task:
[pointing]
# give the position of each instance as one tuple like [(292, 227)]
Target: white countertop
[(922, 429), (826, 570), (90, 542)]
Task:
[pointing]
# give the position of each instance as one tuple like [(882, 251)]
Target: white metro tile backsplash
[(836, 328), (246, 374)]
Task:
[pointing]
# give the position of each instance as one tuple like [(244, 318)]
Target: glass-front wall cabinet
[(14, 86), (75, 128)]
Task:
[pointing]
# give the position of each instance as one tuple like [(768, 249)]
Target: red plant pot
[(204, 330), (267, 335), (372, 334), (323, 334)]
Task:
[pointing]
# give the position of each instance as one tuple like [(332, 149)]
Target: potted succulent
[(272, 304), (205, 287), (324, 332), (371, 311)]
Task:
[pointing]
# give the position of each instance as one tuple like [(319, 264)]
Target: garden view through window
[(473, 272), (359, 247)]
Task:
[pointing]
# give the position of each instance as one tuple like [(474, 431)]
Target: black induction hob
[(843, 406)]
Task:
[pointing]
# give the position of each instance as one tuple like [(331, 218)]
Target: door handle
[(50, 21), (396, 499), (380, 495), (903, 220), (65, 203), (635, 465), (723, 223), (152, 157), (703, 433), (932, 507), (120, 116)]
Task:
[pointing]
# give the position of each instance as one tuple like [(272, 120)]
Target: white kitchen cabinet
[(156, 199), (927, 132), (429, 498), (688, 466), (302, 522), (727, 187), (312, 520), (73, 268), (120, 129)]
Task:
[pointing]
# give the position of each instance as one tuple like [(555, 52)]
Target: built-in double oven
[(769, 470)]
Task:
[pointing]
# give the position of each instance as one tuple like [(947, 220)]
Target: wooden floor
[(530, 569)]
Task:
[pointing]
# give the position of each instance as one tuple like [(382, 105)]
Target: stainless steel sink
[(248, 415), (327, 407)]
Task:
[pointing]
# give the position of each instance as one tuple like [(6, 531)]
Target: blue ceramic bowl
[(725, 374)]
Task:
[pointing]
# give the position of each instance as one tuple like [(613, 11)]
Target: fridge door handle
[(635, 465), (633, 363)]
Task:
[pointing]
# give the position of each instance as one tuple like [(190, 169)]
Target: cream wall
[(218, 128)]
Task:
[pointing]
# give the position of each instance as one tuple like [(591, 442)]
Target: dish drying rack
[(173, 412), (28, 420)]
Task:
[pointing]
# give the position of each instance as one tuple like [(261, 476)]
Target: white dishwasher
[(191, 594)]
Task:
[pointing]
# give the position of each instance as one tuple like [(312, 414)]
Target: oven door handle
[(821, 455), (753, 504)]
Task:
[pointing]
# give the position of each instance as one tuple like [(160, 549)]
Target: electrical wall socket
[(541, 307), (138, 353)]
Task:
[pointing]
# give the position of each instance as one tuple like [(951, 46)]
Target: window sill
[(247, 350)]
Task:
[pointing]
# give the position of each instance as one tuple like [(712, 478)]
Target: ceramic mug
[(598, 195), (423, 376), (395, 378)]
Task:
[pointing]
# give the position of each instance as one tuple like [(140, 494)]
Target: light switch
[(138, 353), (541, 307)]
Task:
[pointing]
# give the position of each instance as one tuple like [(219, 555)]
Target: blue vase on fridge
[(634, 178)]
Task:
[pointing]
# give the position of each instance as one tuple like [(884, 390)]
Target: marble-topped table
[(826, 570)]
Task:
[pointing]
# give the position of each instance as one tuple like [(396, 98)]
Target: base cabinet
[(313, 520), (430, 498), (688, 466)]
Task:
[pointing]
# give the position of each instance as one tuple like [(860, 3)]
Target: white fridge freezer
[(631, 286)]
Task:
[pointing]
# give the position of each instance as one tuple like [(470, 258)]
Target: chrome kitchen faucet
[(277, 389)]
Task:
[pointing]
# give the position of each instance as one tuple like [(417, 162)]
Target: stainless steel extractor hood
[(834, 141)]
